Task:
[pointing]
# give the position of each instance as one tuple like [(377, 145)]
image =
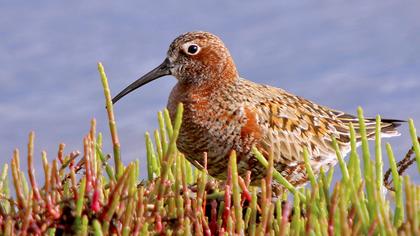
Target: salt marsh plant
[(93, 193)]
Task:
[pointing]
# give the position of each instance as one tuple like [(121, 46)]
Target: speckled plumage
[(223, 112)]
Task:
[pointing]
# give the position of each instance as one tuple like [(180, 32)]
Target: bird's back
[(289, 123)]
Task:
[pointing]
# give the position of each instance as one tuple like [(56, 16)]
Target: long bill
[(162, 70)]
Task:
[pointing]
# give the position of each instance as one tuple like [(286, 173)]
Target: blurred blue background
[(341, 54)]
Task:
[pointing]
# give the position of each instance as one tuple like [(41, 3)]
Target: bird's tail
[(388, 126)]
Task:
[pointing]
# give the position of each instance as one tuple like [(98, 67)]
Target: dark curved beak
[(162, 70)]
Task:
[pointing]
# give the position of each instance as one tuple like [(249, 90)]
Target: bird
[(225, 112)]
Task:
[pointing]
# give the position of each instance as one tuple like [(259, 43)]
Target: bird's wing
[(291, 123)]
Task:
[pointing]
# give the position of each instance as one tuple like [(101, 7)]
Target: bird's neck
[(205, 89), (198, 96), (196, 93), (215, 77)]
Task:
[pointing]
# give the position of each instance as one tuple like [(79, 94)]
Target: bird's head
[(194, 58)]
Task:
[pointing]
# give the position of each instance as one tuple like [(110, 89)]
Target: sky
[(341, 54)]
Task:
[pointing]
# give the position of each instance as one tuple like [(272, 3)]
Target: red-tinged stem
[(213, 216), (158, 223), (96, 205), (309, 211), (186, 191), (92, 138), (86, 156), (112, 123), (264, 205), (73, 181), (16, 179), (285, 218), (60, 152), (204, 179), (270, 218), (373, 227), (34, 228), (53, 196), (247, 178), (46, 171), (333, 207), (92, 132), (351, 216), (31, 171), (197, 227), (206, 228), (114, 196), (226, 212), (140, 211), (203, 206), (222, 232), (245, 193), (55, 182), (53, 211), (269, 175), (27, 214)]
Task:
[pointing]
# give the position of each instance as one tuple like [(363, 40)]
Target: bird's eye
[(192, 49)]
